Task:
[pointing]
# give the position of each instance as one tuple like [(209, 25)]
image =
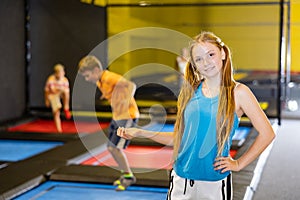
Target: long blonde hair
[(193, 78)]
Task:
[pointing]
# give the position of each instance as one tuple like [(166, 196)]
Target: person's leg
[(66, 103), (56, 106), (57, 121), (120, 157), (127, 178), (115, 147)]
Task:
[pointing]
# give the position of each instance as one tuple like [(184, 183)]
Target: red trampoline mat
[(48, 126), (140, 157)]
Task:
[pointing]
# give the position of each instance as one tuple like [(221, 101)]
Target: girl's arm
[(165, 138), (247, 104), (260, 122)]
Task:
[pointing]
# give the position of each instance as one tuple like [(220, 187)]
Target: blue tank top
[(198, 148)]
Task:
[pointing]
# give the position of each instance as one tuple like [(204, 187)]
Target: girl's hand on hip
[(226, 164)]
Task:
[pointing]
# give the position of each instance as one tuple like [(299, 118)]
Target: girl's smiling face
[(208, 59)]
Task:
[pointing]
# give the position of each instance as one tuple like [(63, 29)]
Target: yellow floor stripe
[(92, 114)]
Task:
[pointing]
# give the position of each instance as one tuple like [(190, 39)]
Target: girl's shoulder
[(242, 91), (240, 87), (242, 95)]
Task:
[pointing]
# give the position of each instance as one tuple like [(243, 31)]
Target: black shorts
[(114, 139)]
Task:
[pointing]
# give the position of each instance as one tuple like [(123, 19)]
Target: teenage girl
[(210, 105)]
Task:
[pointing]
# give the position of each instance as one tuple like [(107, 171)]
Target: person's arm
[(50, 85), (66, 87), (165, 138), (66, 94), (125, 89), (260, 122), (247, 104)]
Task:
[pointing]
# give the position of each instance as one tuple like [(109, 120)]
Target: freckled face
[(208, 59)]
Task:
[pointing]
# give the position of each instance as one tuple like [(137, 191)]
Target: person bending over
[(120, 94)]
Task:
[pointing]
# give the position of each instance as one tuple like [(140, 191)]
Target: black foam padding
[(12, 62), (155, 87), (241, 180), (104, 174), (38, 136), (20, 176), (63, 32), (3, 164)]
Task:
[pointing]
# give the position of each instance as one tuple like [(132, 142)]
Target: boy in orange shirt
[(57, 88), (120, 94)]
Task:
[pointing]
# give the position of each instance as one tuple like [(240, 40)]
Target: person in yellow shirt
[(119, 92), (57, 89)]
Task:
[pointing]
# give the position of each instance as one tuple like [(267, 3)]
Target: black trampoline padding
[(104, 174), (23, 175), (38, 136), (3, 164), (242, 180)]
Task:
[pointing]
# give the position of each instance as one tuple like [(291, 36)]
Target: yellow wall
[(295, 36), (251, 31)]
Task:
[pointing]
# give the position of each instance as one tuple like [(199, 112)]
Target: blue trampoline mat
[(16, 150), (241, 133), (154, 126), (77, 191)]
